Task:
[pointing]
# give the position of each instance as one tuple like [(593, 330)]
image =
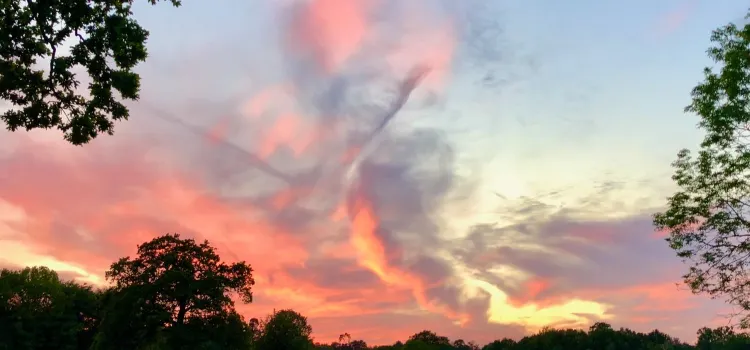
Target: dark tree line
[(178, 294)]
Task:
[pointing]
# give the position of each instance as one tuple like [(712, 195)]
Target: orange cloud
[(372, 255)]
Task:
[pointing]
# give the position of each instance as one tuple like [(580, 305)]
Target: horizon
[(481, 171)]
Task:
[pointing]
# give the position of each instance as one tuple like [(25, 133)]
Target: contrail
[(407, 86), (253, 159)]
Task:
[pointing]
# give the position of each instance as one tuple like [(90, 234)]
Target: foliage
[(429, 338), (285, 329), (128, 322), (104, 40), (721, 338), (707, 218), (185, 278), (39, 311), (503, 344), (217, 332)]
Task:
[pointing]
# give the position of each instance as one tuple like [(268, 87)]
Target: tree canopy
[(186, 278), (46, 44), (285, 329), (173, 289), (707, 217)]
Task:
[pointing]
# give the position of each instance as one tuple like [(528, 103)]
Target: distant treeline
[(177, 294)]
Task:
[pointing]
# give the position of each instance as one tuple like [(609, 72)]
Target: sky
[(480, 169)]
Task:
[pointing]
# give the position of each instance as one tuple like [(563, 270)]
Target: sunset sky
[(477, 168)]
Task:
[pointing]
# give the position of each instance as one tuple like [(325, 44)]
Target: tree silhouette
[(173, 286), (285, 329), (38, 310)]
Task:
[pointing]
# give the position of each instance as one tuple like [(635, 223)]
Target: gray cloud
[(553, 245)]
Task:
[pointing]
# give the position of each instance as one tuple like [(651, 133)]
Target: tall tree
[(38, 74), (707, 217), (171, 288), (285, 329)]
